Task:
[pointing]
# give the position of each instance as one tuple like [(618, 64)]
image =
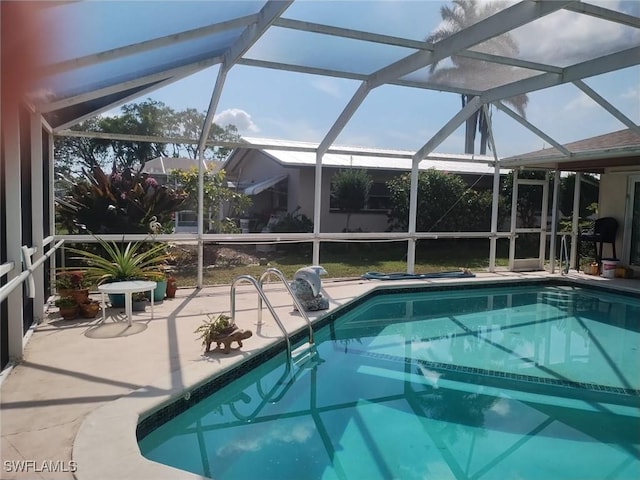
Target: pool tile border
[(172, 410)]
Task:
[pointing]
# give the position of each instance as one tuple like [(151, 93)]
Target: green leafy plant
[(294, 222), (214, 326), (65, 302), (122, 202), (71, 280), (121, 262), (349, 191)]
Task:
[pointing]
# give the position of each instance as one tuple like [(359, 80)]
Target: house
[(616, 158), (280, 179)]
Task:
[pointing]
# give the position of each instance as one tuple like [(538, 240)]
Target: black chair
[(604, 231)]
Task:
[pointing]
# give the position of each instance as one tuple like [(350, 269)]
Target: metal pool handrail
[(280, 275), (262, 296)]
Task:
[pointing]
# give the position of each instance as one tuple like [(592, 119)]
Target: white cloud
[(235, 116), (329, 86), (632, 93), (297, 433), (580, 103), (563, 37)]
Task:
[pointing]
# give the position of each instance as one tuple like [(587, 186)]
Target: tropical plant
[(65, 302), (119, 262), (349, 191), (464, 71), (294, 222), (71, 280), (122, 202), (215, 193), (214, 326)]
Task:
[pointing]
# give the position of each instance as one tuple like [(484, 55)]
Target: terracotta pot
[(79, 295), (172, 286), (69, 313), (89, 310)]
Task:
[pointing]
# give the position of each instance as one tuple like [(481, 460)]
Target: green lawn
[(353, 260)]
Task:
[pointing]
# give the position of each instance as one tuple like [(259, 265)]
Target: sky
[(294, 106)]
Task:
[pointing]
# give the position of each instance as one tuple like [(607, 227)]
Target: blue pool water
[(516, 383)]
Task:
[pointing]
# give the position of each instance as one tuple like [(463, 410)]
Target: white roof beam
[(120, 101), (502, 22), (269, 13), (531, 127), (145, 46), (350, 33), (354, 76), (344, 117), (493, 26), (449, 128), (517, 162), (171, 75), (606, 105), (604, 14), (407, 43), (596, 66)]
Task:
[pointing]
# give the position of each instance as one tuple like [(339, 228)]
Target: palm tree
[(456, 18)]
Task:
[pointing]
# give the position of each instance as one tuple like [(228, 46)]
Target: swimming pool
[(518, 382)]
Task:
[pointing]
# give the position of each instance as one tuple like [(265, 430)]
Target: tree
[(463, 14), (216, 193), (73, 153), (188, 123), (349, 191), (148, 118), (445, 204)]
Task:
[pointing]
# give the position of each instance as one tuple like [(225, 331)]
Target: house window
[(186, 218), (379, 199)]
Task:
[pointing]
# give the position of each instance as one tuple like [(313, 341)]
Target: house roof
[(595, 154), (164, 165), (302, 154)]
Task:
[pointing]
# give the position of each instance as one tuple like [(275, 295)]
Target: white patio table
[(127, 288)]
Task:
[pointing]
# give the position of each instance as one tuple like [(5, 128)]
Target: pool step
[(305, 356)]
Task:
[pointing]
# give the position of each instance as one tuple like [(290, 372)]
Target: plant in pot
[(73, 283), (139, 302), (123, 262), (172, 287), (89, 309), (214, 328), (68, 307)]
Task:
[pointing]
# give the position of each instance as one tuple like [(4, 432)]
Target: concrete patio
[(73, 368)]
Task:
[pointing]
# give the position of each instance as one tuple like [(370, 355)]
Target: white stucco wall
[(331, 222), (613, 203)]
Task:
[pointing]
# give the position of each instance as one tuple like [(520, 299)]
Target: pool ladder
[(303, 353), (564, 255)]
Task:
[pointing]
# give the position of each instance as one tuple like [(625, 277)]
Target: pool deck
[(76, 397)]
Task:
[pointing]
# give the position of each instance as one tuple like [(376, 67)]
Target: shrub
[(122, 202)]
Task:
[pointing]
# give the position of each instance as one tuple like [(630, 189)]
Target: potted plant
[(138, 302), (89, 309), (172, 287), (214, 328), (73, 283), (68, 307), (123, 262)]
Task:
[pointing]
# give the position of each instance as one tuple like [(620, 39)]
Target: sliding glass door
[(633, 219)]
